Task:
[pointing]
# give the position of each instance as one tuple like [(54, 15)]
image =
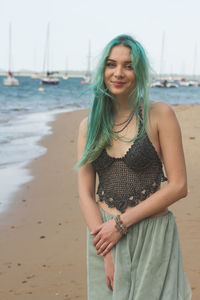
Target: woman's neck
[(121, 108)]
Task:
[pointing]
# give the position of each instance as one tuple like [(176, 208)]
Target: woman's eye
[(129, 67), (113, 65), (110, 64)]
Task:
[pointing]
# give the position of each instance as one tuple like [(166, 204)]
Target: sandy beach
[(42, 245)]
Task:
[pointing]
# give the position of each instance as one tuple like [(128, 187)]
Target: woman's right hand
[(109, 270)]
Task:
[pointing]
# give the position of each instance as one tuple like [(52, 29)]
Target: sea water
[(25, 113)]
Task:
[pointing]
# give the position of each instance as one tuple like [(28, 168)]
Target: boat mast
[(46, 52), (10, 48), (88, 72), (195, 61), (66, 66), (162, 55)]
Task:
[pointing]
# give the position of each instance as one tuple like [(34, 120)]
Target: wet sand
[(43, 247)]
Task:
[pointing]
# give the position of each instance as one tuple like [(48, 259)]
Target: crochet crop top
[(127, 180)]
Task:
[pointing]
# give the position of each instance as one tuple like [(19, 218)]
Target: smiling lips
[(118, 83)]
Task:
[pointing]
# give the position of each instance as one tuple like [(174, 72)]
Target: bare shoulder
[(161, 111), (161, 108)]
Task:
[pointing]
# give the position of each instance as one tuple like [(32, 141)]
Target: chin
[(119, 93)]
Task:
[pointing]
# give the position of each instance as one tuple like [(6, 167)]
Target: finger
[(100, 243), (107, 249), (112, 285), (108, 283), (95, 231), (101, 248), (96, 240)]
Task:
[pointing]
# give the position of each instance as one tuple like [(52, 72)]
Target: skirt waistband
[(150, 220)]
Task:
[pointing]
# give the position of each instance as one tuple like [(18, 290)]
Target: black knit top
[(127, 180)]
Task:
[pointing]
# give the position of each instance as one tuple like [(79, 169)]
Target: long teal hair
[(100, 121)]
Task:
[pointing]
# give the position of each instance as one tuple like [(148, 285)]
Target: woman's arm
[(90, 210), (173, 158), (86, 184)]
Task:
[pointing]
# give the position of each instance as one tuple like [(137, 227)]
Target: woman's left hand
[(106, 236)]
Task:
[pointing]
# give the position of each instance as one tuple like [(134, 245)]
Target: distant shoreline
[(80, 73)]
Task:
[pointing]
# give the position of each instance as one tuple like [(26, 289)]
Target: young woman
[(133, 248)]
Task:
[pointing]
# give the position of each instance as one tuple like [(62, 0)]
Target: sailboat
[(87, 76), (66, 76), (88, 72), (10, 80), (163, 83), (49, 79)]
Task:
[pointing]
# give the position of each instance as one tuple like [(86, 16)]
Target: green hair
[(100, 121)]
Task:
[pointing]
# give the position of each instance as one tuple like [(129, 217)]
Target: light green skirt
[(148, 264)]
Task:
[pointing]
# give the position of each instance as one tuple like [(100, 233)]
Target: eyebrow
[(126, 62)]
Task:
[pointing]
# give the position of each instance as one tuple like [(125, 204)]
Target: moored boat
[(184, 82), (164, 84), (49, 79), (10, 80)]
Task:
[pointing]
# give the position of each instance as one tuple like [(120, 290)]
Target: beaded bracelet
[(120, 225)]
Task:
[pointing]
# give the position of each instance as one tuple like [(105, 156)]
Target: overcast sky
[(73, 23)]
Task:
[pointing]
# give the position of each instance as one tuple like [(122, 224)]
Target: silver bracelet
[(120, 225)]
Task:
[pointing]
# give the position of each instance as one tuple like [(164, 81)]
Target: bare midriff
[(114, 211)]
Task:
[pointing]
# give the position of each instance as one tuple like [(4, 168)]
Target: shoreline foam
[(22, 149)]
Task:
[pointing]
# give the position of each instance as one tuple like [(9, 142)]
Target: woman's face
[(119, 75)]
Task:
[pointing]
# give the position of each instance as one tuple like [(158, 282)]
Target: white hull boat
[(49, 80), (10, 81), (164, 84)]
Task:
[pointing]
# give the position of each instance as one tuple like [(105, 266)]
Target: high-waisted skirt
[(147, 262)]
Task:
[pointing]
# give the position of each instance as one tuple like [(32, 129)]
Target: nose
[(118, 71)]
